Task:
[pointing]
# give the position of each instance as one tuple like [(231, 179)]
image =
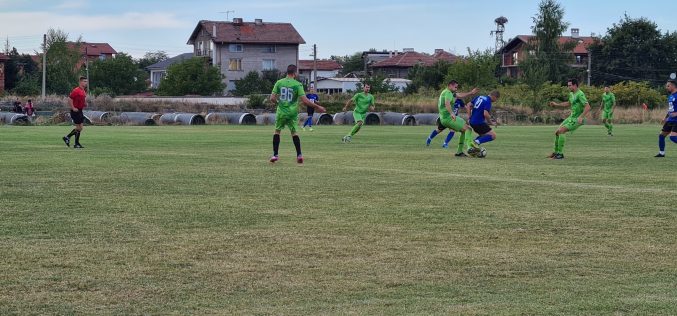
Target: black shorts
[(77, 117), (669, 127), (440, 127), (311, 111), (481, 129)]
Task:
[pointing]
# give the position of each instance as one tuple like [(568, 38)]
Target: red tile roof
[(249, 32), (581, 47), (326, 64), (444, 55), (406, 60), (95, 49)]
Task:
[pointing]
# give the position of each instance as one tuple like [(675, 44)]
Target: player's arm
[(447, 104), (274, 94), (586, 110), (312, 104), (559, 104), (345, 107), (70, 102), (487, 116), (613, 107), (372, 107), (471, 93), (468, 109)]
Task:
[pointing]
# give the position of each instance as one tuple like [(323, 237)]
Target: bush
[(257, 101)]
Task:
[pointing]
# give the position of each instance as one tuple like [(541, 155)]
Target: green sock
[(556, 150), (468, 138), (461, 142), (355, 129), (562, 139), (611, 127)]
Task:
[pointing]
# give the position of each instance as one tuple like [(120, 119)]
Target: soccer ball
[(482, 153)]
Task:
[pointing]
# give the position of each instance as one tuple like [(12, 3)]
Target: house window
[(579, 59), (235, 64), (200, 48), (236, 48), (102, 57), (270, 49), (268, 64), (515, 61)]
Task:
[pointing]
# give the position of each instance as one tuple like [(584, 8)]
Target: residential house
[(159, 70), (372, 56), (441, 54), (93, 51), (325, 69), (347, 85), (3, 58), (515, 51), (239, 47), (398, 66)]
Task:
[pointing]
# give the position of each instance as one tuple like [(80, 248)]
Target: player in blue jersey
[(480, 117), (311, 110), (670, 120)]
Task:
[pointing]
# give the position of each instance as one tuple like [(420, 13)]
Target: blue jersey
[(457, 105), (672, 107), (480, 104), (313, 98)]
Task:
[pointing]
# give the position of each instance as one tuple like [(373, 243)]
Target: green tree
[(428, 76), (350, 63), (192, 76), (63, 62), (634, 49), (17, 67), (151, 58), (478, 69), (547, 58), (255, 83), (28, 85), (119, 75), (378, 83)]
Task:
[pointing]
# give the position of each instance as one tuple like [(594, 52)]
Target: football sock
[(467, 138), (556, 150), (483, 139), (355, 129), (461, 142), (661, 142), (276, 143), (297, 144), (71, 133), (432, 135), (562, 139), (449, 137), (611, 128), (77, 137), (673, 139)]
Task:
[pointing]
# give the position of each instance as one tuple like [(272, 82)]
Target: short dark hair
[(83, 78), (495, 93), (452, 82), (291, 69), (573, 81), (673, 82)]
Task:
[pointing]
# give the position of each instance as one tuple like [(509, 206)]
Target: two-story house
[(239, 47), (516, 50), (325, 69)]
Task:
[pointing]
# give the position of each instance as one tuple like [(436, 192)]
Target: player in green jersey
[(608, 106), (286, 95), (579, 111), (363, 101), (449, 120)]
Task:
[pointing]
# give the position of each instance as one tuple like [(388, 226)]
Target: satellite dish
[(673, 76)]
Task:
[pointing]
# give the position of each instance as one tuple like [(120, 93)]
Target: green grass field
[(194, 220)]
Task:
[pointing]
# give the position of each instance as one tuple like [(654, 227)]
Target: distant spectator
[(17, 107), (28, 109)]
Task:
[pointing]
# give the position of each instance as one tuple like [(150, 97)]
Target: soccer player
[(363, 101), (608, 106), (670, 120), (311, 110), (458, 104), (579, 111), (447, 117), (78, 103), (286, 95), (481, 106)]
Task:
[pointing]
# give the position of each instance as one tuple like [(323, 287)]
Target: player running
[(670, 120), (608, 106), (363, 101), (449, 119), (479, 118), (579, 111), (286, 95), (312, 96)]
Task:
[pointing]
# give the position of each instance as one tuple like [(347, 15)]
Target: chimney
[(237, 21), (214, 30), (258, 21), (574, 33)]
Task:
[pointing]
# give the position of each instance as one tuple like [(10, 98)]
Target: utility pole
[(315, 66), (44, 64), (589, 66), (87, 66)]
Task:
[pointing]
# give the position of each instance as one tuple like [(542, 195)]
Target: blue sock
[(661, 142), (673, 139), (483, 139), (432, 135), (449, 137)]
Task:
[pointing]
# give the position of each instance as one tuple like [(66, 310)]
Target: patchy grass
[(193, 220)]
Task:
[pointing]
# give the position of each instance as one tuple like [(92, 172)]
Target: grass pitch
[(194, 220)]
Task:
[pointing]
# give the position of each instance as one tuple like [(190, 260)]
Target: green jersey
[(445, 96), (363, 101), (577, 100), (608, 99), (288, 92)]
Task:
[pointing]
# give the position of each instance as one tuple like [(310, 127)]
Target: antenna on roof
[(500, 28), (227, 12)]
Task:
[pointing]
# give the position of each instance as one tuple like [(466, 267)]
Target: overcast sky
[(337, 27)]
